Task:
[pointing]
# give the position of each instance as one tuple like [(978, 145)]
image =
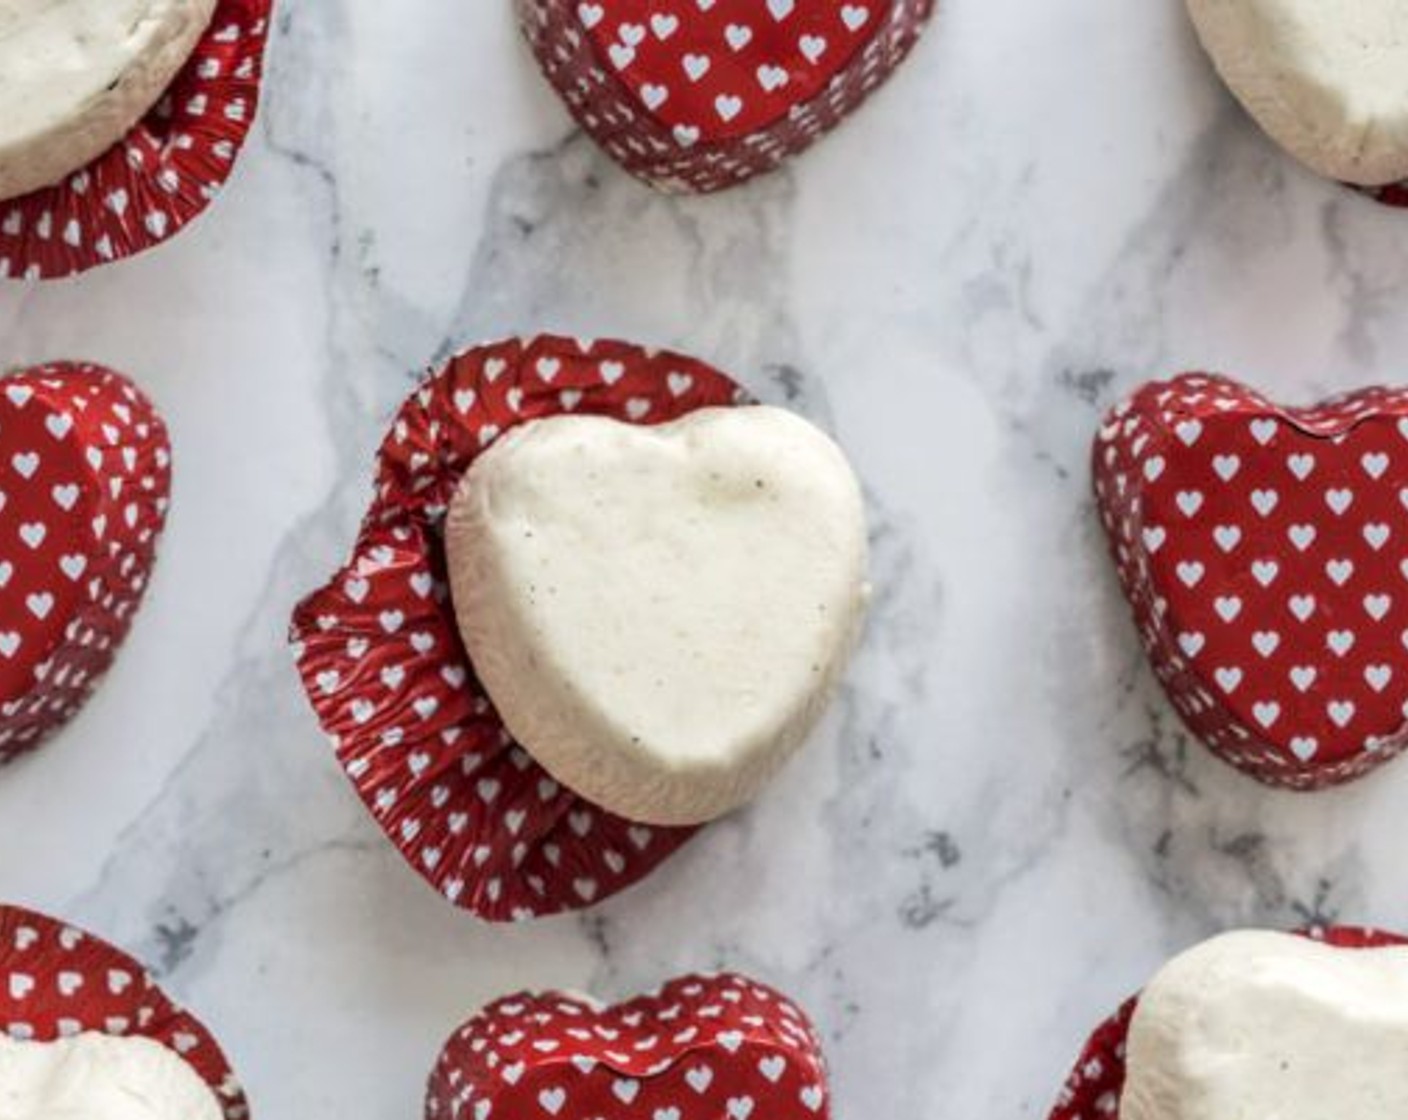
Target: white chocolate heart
[(1327, 79), (75, 75), (660, 613), (1254, 1025), (98, 1075)]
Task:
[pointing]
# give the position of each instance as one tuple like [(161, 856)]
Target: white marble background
[(1002, 830)]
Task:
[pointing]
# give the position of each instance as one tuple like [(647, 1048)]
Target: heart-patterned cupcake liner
[(1265, 554), (162, 175), (57, 981), (1092, 1092), (698, 96), (701, 1048), (1395, 194), (381, 659), (85, 476)]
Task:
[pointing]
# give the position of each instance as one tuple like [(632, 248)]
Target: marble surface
[(1001, 829)]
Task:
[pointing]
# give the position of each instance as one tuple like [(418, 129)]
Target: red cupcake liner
[(1092, 1092), (85, 475), (162, 175), (1395, 194), (381, 659), (701, 1048), (1264, 551), (694, 97), (57, 981)]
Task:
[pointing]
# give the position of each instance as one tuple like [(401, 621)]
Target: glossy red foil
[(1265, 553), (1395, 194), (85, 477), (56, 980), (701, 1048), (162, 175), (381, 659), (699, 97)]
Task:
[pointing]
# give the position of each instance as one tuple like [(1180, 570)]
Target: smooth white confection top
[(660, 614), (76, 75), (100, 1077), (1256, 1026), (1328, 79)]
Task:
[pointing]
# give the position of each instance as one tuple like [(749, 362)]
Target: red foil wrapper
[(381, 659), (56, 981), (162, 175), (716, 1048), (1092, 1092), (85, 474), (1395, 194), (699, 97), (1264, 550)]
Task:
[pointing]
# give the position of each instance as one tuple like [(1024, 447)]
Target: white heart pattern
[(84, 482), (1286, 653), (700, 1048), (410, 721), (699, 97), (57, 980), (164, 172)]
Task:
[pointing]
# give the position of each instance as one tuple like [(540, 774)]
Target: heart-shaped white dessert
[(91, 1075), (76, 75), (1327, 79), (1255, 1026), (660, 613)]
